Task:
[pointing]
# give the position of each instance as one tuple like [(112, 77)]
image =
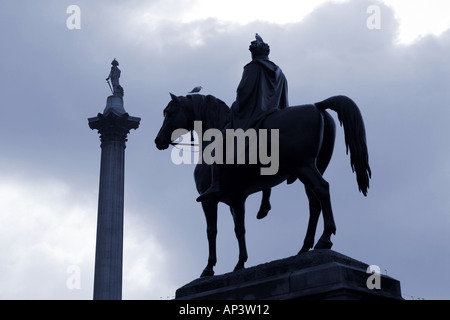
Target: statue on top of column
[(114, 76)]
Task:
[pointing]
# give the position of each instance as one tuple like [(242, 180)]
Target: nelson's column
[(113, 126)]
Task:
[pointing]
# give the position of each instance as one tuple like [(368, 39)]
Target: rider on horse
[(262, 90)]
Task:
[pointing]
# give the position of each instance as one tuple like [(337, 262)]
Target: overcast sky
[(53, 79)]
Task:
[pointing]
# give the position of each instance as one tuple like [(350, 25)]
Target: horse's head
[(177, 115)]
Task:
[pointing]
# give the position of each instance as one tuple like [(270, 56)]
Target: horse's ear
[(174, 97)]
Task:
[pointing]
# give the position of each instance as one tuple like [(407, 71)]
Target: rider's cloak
[(262, 90)]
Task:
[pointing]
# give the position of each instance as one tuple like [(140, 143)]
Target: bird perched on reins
[(196, 89)]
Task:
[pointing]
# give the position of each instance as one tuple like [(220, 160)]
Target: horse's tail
[(355, 136)]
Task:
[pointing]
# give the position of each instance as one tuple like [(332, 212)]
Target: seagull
[(196, 89), (258, 38)]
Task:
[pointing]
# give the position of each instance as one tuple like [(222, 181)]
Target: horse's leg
[(265, 204), (210, 210), (314, 213), (238, 212), (322, 162), (312, 178)]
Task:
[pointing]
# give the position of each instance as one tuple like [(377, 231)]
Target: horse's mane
[(211, 109)]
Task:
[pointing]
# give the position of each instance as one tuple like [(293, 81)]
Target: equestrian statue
[(305, 138)]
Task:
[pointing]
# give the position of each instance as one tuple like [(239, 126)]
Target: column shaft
[(109, 248), (113, 129)]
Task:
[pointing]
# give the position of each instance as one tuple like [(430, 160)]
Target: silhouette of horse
[(306, 142)]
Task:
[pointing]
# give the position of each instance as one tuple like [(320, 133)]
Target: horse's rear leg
[(312, 179), (265, 204), (314, 213), (210, 210), (322, 162)]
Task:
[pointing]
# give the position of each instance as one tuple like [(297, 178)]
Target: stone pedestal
[(113, 126), (315, 275)]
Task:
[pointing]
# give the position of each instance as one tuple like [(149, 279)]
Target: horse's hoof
[(263, 211), (207, 273), (237, 268), (323, 244), (303, 250)]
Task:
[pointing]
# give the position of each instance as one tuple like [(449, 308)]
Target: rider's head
[(259, 50)]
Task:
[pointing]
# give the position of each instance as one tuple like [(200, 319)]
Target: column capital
[(112, 126)]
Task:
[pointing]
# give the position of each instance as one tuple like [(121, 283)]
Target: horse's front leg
[(210, 210), (238, 212)]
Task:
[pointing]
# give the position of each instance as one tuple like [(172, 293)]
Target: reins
[(192, 144)]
